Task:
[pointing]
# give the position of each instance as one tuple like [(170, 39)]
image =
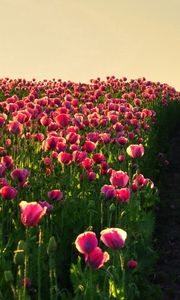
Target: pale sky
[(82, 39)]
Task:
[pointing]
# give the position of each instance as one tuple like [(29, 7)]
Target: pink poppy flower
[(2, 169), (132, 264), (122, 140), (26, 282), (89, 146), (55, 195), (104, 167), (123, 195), (108, 191), (91, 176), (21, 175), (119, 178), (50, 143), (72, 138), (45, 121), (79, 156), (60, 147), (98, 158), (15, 127), (7, 161), (86, 242), (31, 213), (8, 192), (8, 142), (47, 205), (139, 182), (3, 182), (63, 119), (2, 121), (39, 137), (97, 258), (87, 163), (65, 158), (135, 151), (113, 238), (121, 157)]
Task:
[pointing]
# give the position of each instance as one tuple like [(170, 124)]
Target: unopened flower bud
[(19, 253), (8, 276), (52, 245)]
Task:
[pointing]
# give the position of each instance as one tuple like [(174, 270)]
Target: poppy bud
[(52, 245)]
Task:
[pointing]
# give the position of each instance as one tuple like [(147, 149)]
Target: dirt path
[(168, 227)]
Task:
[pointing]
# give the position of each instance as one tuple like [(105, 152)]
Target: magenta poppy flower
[(119, 178), (47, 205), (132, 264), (3, 182), (122, 140), (86, 242), (123, 195), (7, 161), (3, 151), (15, 127), (31, 213), (105, 137), (55, 195), (89, 146), (72, 138), (65, 158), (60, 147), (2, 121), (79, 156), (38, 137), (91, 176), (63, 119), (108, 191), (113, 238), (139, 182), (8, 192), (97, 258), (2, 169), (121, 157), (50, 143), (21, 175), (135, 151), (98, 158), (26, 282), (8, 142), (87, 163)]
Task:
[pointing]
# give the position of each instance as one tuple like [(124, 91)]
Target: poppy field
[(77, 189)]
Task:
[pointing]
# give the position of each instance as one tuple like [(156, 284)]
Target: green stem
[(121, 259), (39, 263), (90, 285), (26, 263), (102, 214)]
